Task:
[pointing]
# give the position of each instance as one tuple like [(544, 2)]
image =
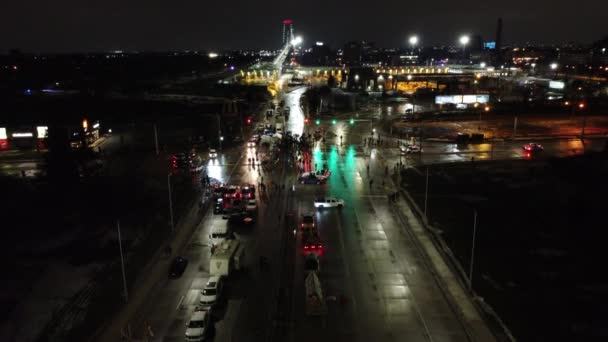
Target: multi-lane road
[(373, 275)]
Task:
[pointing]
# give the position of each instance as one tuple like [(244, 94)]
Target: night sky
[(91, 25)]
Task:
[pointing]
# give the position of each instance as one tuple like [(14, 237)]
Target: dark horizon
[(69, 26)]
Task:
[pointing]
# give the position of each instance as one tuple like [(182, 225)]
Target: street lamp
[(464, 40), (296, 41), (553, 66), (413, 42)]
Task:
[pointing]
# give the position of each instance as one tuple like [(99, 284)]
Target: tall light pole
[(170, 203), (553, 67), (413, 42), (464, 40), (122, 265), (472, 250)]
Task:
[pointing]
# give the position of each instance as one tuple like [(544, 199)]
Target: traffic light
[(249, 121), (318, 122), (333, 122), (306, 121), (352, 121)]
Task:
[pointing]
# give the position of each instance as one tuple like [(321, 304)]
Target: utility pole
[(170, 203), (426, 193), (156, 139), (473, 250), (122, 265), (219, 131)]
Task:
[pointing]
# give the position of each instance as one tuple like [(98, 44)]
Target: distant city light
[(482, 64), (413, 40), (213, 55), (464, 40), (296, 41), (23, 135)]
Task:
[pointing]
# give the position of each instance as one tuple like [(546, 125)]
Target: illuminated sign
[(3, 133), (42, 132), (556, 84), (85, 124), (489, 45), (23, 135), (466, 99)]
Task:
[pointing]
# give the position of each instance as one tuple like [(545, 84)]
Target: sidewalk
[(462, 301), (155, 271)]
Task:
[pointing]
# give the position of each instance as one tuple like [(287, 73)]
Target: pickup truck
[(328, 202)]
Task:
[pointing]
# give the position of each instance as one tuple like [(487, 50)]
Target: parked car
[(212, 293), (198, 326), (328, 202), (178, 266)]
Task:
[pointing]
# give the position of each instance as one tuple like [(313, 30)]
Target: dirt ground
[(540, 240)]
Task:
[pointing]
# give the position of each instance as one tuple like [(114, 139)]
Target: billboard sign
[(489, 45), (556, 85), (466, 99)]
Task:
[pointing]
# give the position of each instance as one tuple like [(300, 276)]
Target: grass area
[(540, 239)]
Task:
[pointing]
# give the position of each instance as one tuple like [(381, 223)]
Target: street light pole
[(170, 203), (426, 193), (122, 264), (156, 139), (473, 250), (219, 131)]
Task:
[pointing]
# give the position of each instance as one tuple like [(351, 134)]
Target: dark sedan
[(178, 266)]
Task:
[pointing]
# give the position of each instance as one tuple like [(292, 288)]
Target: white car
[(322, 175), (251, 205), (212, 153), (196, 329), (328, 202), (410, 149), (212, 291)]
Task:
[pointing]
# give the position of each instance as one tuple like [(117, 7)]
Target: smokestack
[(499, 34)]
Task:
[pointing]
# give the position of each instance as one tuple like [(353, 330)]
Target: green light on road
[(352, 121), (318, 122), (333, 122)]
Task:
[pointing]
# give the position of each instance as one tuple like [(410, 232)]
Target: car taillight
[(305, 247), (320, 246)]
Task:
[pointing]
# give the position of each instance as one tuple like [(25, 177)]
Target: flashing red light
[(249, 121), (581, 105), (305, 120), (287, 21)]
